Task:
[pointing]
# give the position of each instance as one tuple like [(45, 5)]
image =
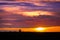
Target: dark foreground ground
[(31, 35)]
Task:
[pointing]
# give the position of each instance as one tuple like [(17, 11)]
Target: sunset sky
[(25, 14)]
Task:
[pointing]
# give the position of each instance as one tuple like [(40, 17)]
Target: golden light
[(35, 13), (40, 29), (31, 14)]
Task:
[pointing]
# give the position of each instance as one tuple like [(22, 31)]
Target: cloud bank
[(28, 14)]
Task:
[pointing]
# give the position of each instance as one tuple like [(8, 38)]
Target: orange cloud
[(13, 8), (21, 10), (18, 10), (10, 9)]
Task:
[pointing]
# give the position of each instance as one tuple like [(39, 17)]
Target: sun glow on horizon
[(40, 29)]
